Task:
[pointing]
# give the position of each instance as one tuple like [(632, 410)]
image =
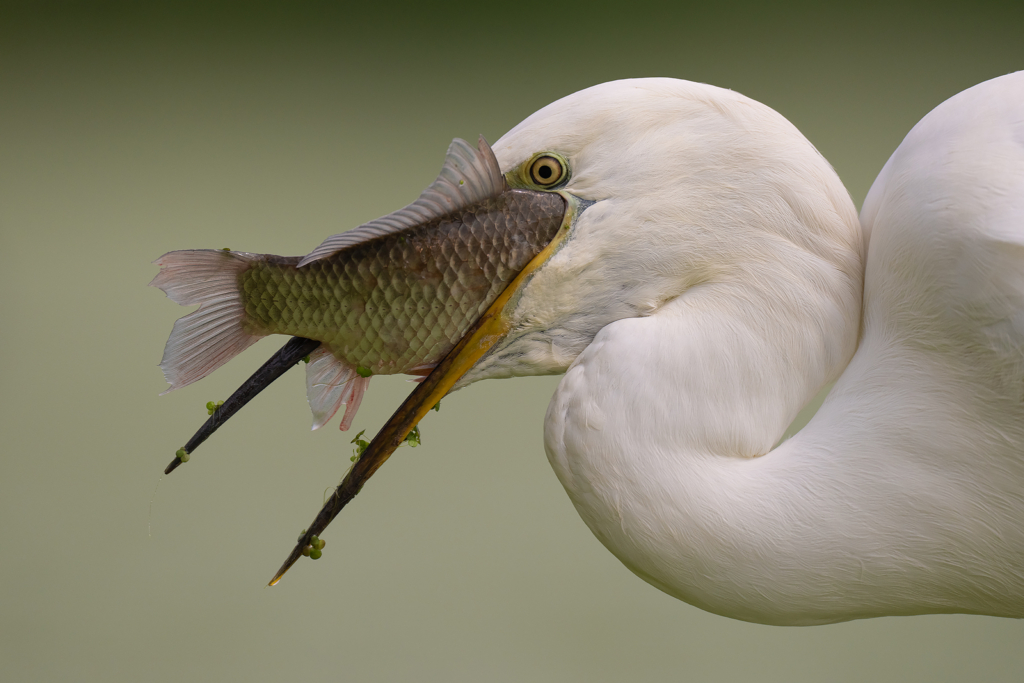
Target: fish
[(393, 296)]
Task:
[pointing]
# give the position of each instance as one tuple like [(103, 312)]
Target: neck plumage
[(660, 433), (657, 430)]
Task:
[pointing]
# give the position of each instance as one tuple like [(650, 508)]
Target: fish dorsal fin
[(468, 176)]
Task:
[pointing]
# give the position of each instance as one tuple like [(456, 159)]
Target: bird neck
[(722, 370), (656, 429)]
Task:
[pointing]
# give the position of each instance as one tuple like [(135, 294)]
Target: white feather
[(715, 287)]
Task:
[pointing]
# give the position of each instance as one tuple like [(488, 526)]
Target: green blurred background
[(130, 130)]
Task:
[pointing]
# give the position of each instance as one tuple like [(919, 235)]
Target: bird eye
[(547, 170)]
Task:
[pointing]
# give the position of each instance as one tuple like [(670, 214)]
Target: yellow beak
[(490, 329)]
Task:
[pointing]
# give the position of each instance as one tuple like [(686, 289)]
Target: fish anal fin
[(355, 398), (331, 383)]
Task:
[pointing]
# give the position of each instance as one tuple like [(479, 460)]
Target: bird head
[(683, 188)]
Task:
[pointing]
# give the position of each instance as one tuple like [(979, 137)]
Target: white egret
[(708, 283), (715, 287)]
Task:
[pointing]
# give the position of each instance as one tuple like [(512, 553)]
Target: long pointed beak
[(285, 359), (489, 330), (438, 234)]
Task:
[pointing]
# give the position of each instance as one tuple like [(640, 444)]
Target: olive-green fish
[(392, 296)]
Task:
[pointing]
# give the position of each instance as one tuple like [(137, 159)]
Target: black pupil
[(545, 171)]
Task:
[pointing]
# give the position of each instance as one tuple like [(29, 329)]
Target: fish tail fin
[(205, 339), (331, 383)]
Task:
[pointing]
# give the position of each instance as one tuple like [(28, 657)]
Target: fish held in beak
[(423, 290), (489, 329), (392, 296)]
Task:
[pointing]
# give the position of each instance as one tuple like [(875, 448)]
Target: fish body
[(398, 303), (392, 296)]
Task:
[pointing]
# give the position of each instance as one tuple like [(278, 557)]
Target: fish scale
[(393, 295), (403, 300)]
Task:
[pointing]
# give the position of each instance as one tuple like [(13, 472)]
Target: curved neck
[(655, 431), (730, 366)]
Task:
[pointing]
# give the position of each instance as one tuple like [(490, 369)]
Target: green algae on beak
[(392, 296), (425, 290), (485, 333), (282, 361)]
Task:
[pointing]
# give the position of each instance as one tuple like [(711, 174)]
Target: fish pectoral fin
[(331, 383), (420, 371)]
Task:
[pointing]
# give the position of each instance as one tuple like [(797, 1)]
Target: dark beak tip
[(292, 559), (282, 361)]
